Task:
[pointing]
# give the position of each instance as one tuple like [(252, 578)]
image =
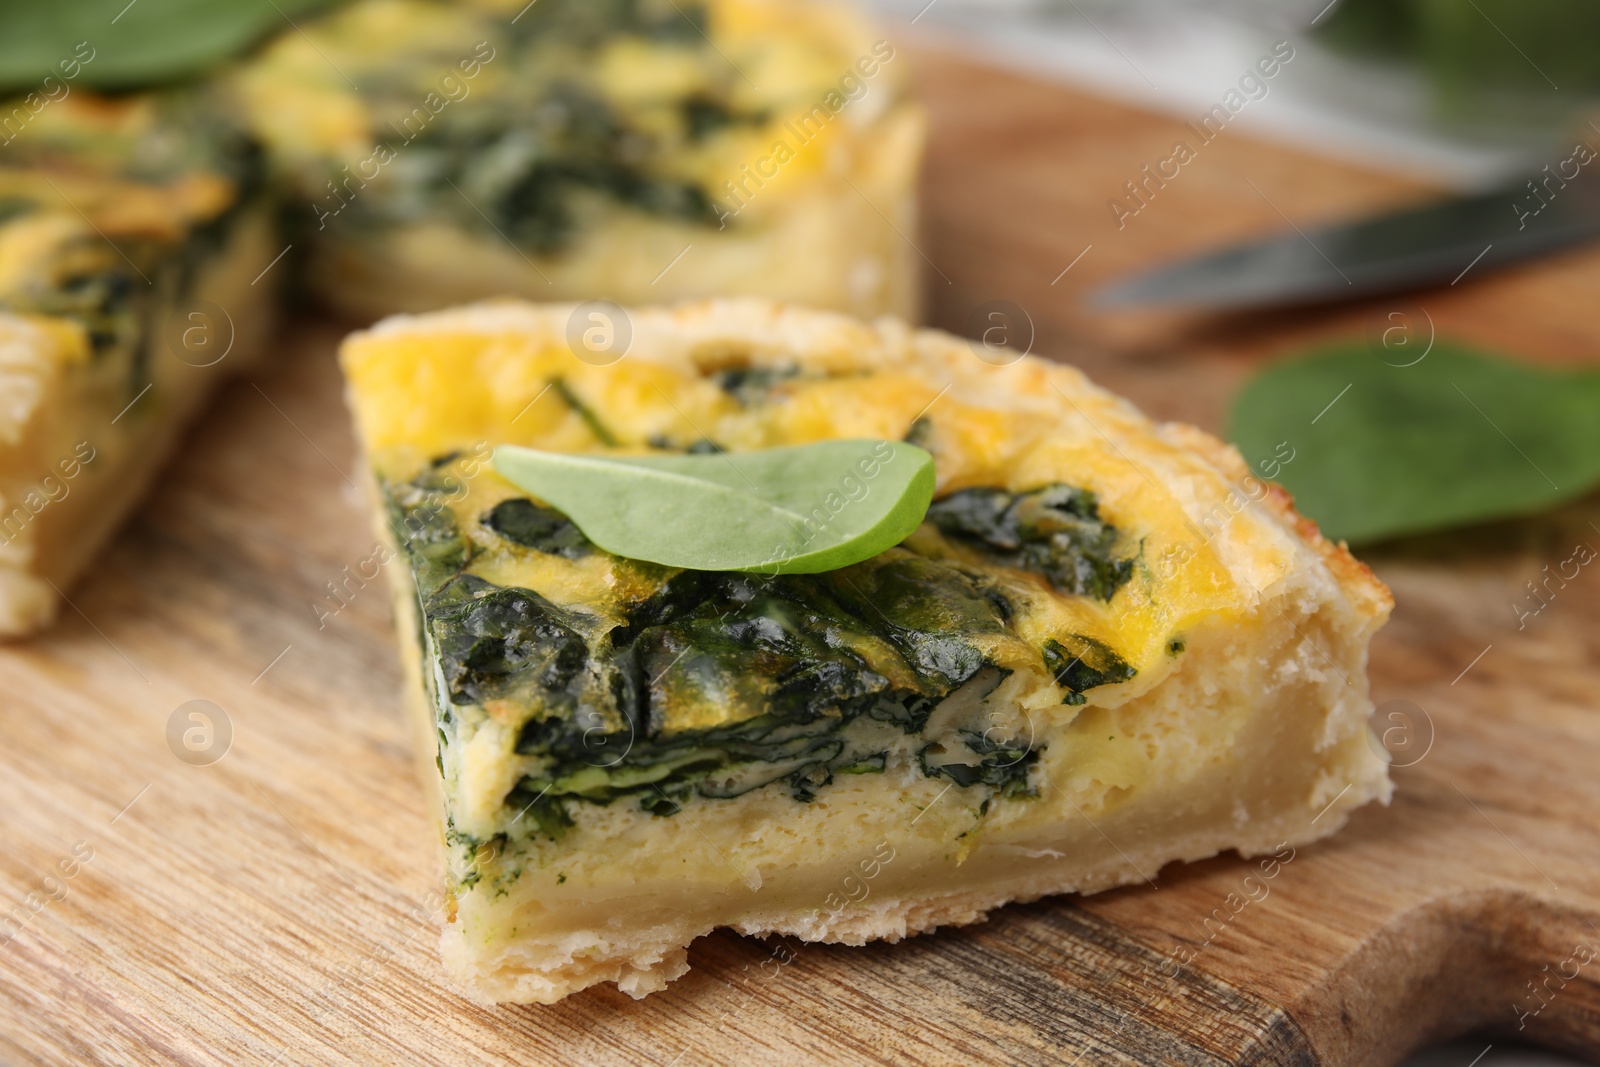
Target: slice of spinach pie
[(1106, 647), (130, 230), (440, 152)]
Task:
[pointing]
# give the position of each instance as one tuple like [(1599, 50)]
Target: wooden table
[(268, 907)]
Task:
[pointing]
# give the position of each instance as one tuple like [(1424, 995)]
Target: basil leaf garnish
[(1381, 449), (130, 46), (799, 510)]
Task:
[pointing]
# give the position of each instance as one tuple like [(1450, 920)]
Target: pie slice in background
[(644, 150), (130, 232)]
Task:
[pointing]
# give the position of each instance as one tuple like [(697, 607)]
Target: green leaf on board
[(130, 45), (799, 510), (1456, 437)]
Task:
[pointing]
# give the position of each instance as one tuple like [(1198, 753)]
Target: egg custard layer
[(437, 152), (1107, 647), (130, 230)]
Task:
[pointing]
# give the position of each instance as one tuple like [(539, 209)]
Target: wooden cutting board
[(269, 908)]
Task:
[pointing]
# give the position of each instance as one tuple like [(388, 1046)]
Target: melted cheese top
[(355, 79), (473, 379)]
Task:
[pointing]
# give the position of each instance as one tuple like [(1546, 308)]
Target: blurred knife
[(1431, 245)]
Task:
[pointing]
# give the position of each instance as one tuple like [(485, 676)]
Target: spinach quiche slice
[(1108, 646), (636, 150), (130, 231)]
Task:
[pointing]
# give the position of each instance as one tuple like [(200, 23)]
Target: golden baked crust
[(1239, 721), (1355, 577)]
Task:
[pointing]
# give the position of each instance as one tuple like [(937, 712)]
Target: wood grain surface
[(272, 907)]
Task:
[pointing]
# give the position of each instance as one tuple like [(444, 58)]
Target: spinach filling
[(781, 669), (600, 430), (1055, 531), (12, 207), (717, 684), (921, 433), (86, 283), (501, 642), (424, 525), (534, 526), (752, 386), (528, 175), (1080, 663), (519, 161), (120, 285), (589, 23)]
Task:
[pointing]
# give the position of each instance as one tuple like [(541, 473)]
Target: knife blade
[(1412, 248)]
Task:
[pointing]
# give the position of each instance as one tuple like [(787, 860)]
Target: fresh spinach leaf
[(132, 46), (799, 510), (1456, 437)]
